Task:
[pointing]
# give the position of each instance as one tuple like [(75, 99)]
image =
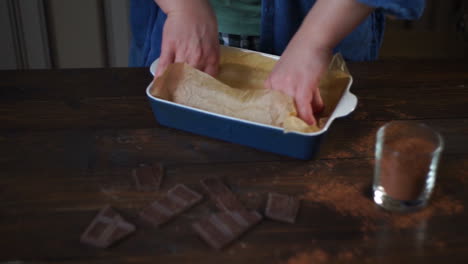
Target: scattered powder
[(440, 244), (345, 255), (338, 196), (438, 206), (460, 171), (330, 165), (365, 144), (361, 114), (360, 146), (317, 256), (463, 178), (398, 114), (340, 154), (348, 199)]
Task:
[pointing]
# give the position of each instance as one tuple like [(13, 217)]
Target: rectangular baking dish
[(255, 135)]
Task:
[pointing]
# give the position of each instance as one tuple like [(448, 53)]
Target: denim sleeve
[(402, 9)]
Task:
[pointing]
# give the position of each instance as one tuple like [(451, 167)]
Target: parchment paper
[(238, 90)]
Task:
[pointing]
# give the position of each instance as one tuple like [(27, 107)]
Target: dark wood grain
[(115, 98), (69, 199), (72, 84), (113, 148), (69, 140)]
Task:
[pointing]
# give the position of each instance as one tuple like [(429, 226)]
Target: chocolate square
[(148, 178), (282, 207), (224, 198), (107, 228), (219, 230), (177, 200)]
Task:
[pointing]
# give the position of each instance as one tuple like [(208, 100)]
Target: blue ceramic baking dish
[(259, 136)]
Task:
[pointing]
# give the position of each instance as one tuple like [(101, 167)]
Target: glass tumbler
[(407, 155)]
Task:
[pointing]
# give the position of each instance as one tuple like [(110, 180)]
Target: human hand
[(308, 54), (298, 74), (190, 36)]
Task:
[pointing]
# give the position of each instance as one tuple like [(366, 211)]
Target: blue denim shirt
[(280, 21)]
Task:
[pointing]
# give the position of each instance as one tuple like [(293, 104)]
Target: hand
[(190, 35), (308, 54), (298, 74)]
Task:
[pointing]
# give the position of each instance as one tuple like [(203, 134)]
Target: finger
[(212, 61), (317, 102), (304, 109), (267, 83), (212, 69), (280, 83), (180, 57), (195, 60), (166, 58)]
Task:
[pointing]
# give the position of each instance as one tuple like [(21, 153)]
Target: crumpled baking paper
[(238, 90)]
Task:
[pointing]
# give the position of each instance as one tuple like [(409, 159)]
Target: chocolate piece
[(282, 207), (224, 198), (148, 178), (220, 229), (107, 228), (177, 200)]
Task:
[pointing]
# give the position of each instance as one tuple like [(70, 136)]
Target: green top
[(239, 17)]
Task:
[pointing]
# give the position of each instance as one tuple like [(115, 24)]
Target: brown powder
[(364, 145), (404, 165), (319, 256), (345, 255), (441, 205), (350, 200), (338, 196), (398, 114), (360, 114), (316, 256), (462, 177), (360, 145), (440, 244)]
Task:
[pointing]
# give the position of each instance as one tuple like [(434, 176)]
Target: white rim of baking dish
[(345, 106)]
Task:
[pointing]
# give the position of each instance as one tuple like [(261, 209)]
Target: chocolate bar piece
[(282, 207), (177, 200), (148, 178), (220, 229), (107, 228), (224, 198)]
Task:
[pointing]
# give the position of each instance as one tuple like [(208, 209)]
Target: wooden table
[(70, 138)]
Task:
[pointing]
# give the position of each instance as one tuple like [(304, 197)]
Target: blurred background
[(44, 34)]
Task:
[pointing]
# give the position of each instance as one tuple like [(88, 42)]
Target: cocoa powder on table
[(317, 255), (348, 199)]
